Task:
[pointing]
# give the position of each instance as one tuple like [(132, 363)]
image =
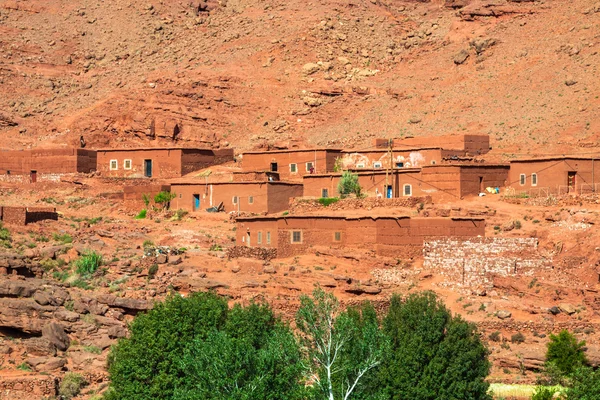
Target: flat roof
[(289, 151), (522, 160), (484, 165), (199, 182), (160, 148), (385, 150), (363, 171), (340, 217)]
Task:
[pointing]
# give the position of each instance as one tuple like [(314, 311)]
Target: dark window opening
[(273, 167)]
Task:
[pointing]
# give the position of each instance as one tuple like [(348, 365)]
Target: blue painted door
[(389, 192), (196, 202)]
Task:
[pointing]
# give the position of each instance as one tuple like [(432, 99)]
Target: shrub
[(92, 349), (152, 270), (147, 243), (585, 385), (565, 352), (5, 238), (517, 338), (164, 198), (215, 247), (179, 214), (88, 263), (71, 385), (349, 185), (141, 215), (327, 201), (517, 224), (65, 238), (543, 393), (146, 199), (495, 336), (24, 367)]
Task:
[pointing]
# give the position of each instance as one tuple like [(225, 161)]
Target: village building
[(258, 197), (470, 144), (554, 175), (158, 162), (388, 236), (379, 158), (445, 182), (292, 163), (44, 164)]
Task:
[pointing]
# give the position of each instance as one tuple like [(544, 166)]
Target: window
[(522, 179), (127, 164), (337, 236), (114, 165), (243, 239), (533, 179), (8, 172), (360, 165), (273, 167), (259, 238), (235, 200), (251, 200), (325, 193), (309, 166), (180, 195), (296, 236), (407, 190), (293, 168), (399, 165), (268, 237), (377, 165)]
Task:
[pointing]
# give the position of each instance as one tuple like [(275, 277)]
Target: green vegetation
[(147, 243), (543, 393), (5, 238), (64, 238), (24, 367), (565, 353), (517, 338), (349, 185), (146, 200), (215, 247), (164, 198), (141, 215), (327, 201), (71, 385), (179, 214), (88, 264), (92, 349), (585, 385), (152, 270), (198, 348)]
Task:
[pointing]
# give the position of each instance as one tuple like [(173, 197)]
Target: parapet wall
[(473, 263), (26, 215), (133, 195)]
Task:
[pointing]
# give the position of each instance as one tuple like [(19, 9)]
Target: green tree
[(433, 354), (565, 353), (585, 385), (349, 185), (196, 348), (543, 393), (164, 199), (343, 348)]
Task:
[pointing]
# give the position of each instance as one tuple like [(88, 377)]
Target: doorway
[(248, 239), (571, 180), (389, 193), (273, 167), (33, 176), (148, 168), (481, 187), (196, 202)]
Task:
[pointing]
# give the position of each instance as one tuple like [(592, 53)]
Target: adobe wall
[(214, 193), (409, 158), (493, 176), (553, 173), (26, 215), (250, 230), (166, 163), (279, 196), (133, 194), (323, 161), (250, 176), (315, 232), (473, 263), (46, 162), (197, 159), (471, 143)]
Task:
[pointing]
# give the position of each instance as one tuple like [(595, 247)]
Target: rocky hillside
[(326, 72)]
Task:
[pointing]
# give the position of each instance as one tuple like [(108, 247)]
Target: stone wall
[(26, 215), (473, 263), (260, 253), (28, 387), (300, 206)]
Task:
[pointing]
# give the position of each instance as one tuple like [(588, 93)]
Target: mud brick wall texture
[(26, 215), (473, 263), (260, 253), (28, 387), (47, 161)]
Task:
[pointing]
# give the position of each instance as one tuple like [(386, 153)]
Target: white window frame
[(377, 164), (234, 199), (125, 164), (268, 237), (292, 237), (522, 179), (250, 199), (259, 237), (293, 170), (360, 165), (312, 165), (110, 165), (407, 185), (534, 179)]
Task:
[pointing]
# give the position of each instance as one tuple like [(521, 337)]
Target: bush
[(71, 385), (196, 348), (585, 385), (88, 263), (434, 355), (141, 215), (24, 367), (179, 214), (164, 198), (349, 185), (152, 270), (146, 199), (5, 238), (65, 238), (215, 247), (327, 201), (543, 393), (517, 224), (495, 336), (566, 353), (517, 338)]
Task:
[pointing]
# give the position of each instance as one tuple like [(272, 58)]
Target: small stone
[(570, 81), (567, 308), (503, 314), (161, 259), (554, 310), (310, 68), (461, 57)]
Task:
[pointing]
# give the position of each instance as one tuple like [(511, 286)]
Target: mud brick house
[(554, 175), (292, 163), (444, 182), (158, 162), (133, 195), (387, 236), (44, 164), (470, 144), (242, 196), (378, 158), (26, 215)]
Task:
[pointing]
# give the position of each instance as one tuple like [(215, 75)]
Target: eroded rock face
[(55, 333)]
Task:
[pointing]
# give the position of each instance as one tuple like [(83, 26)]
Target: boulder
[(161, 259), (503, 314), (461, 57), (116, 332), (55, 333), (175, 260), (64, 315), (363, 290), (38, 346), (554, 310), (17, 289), (269, 269), (41, 298), (51, 364), (567, 308), (310, 68), (124, 302)]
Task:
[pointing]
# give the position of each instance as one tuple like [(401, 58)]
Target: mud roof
[(555, 158), (469, 165), (364, 171), (290, 151), (160, 148), (199, 181), (348, 218), (385, 150)]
